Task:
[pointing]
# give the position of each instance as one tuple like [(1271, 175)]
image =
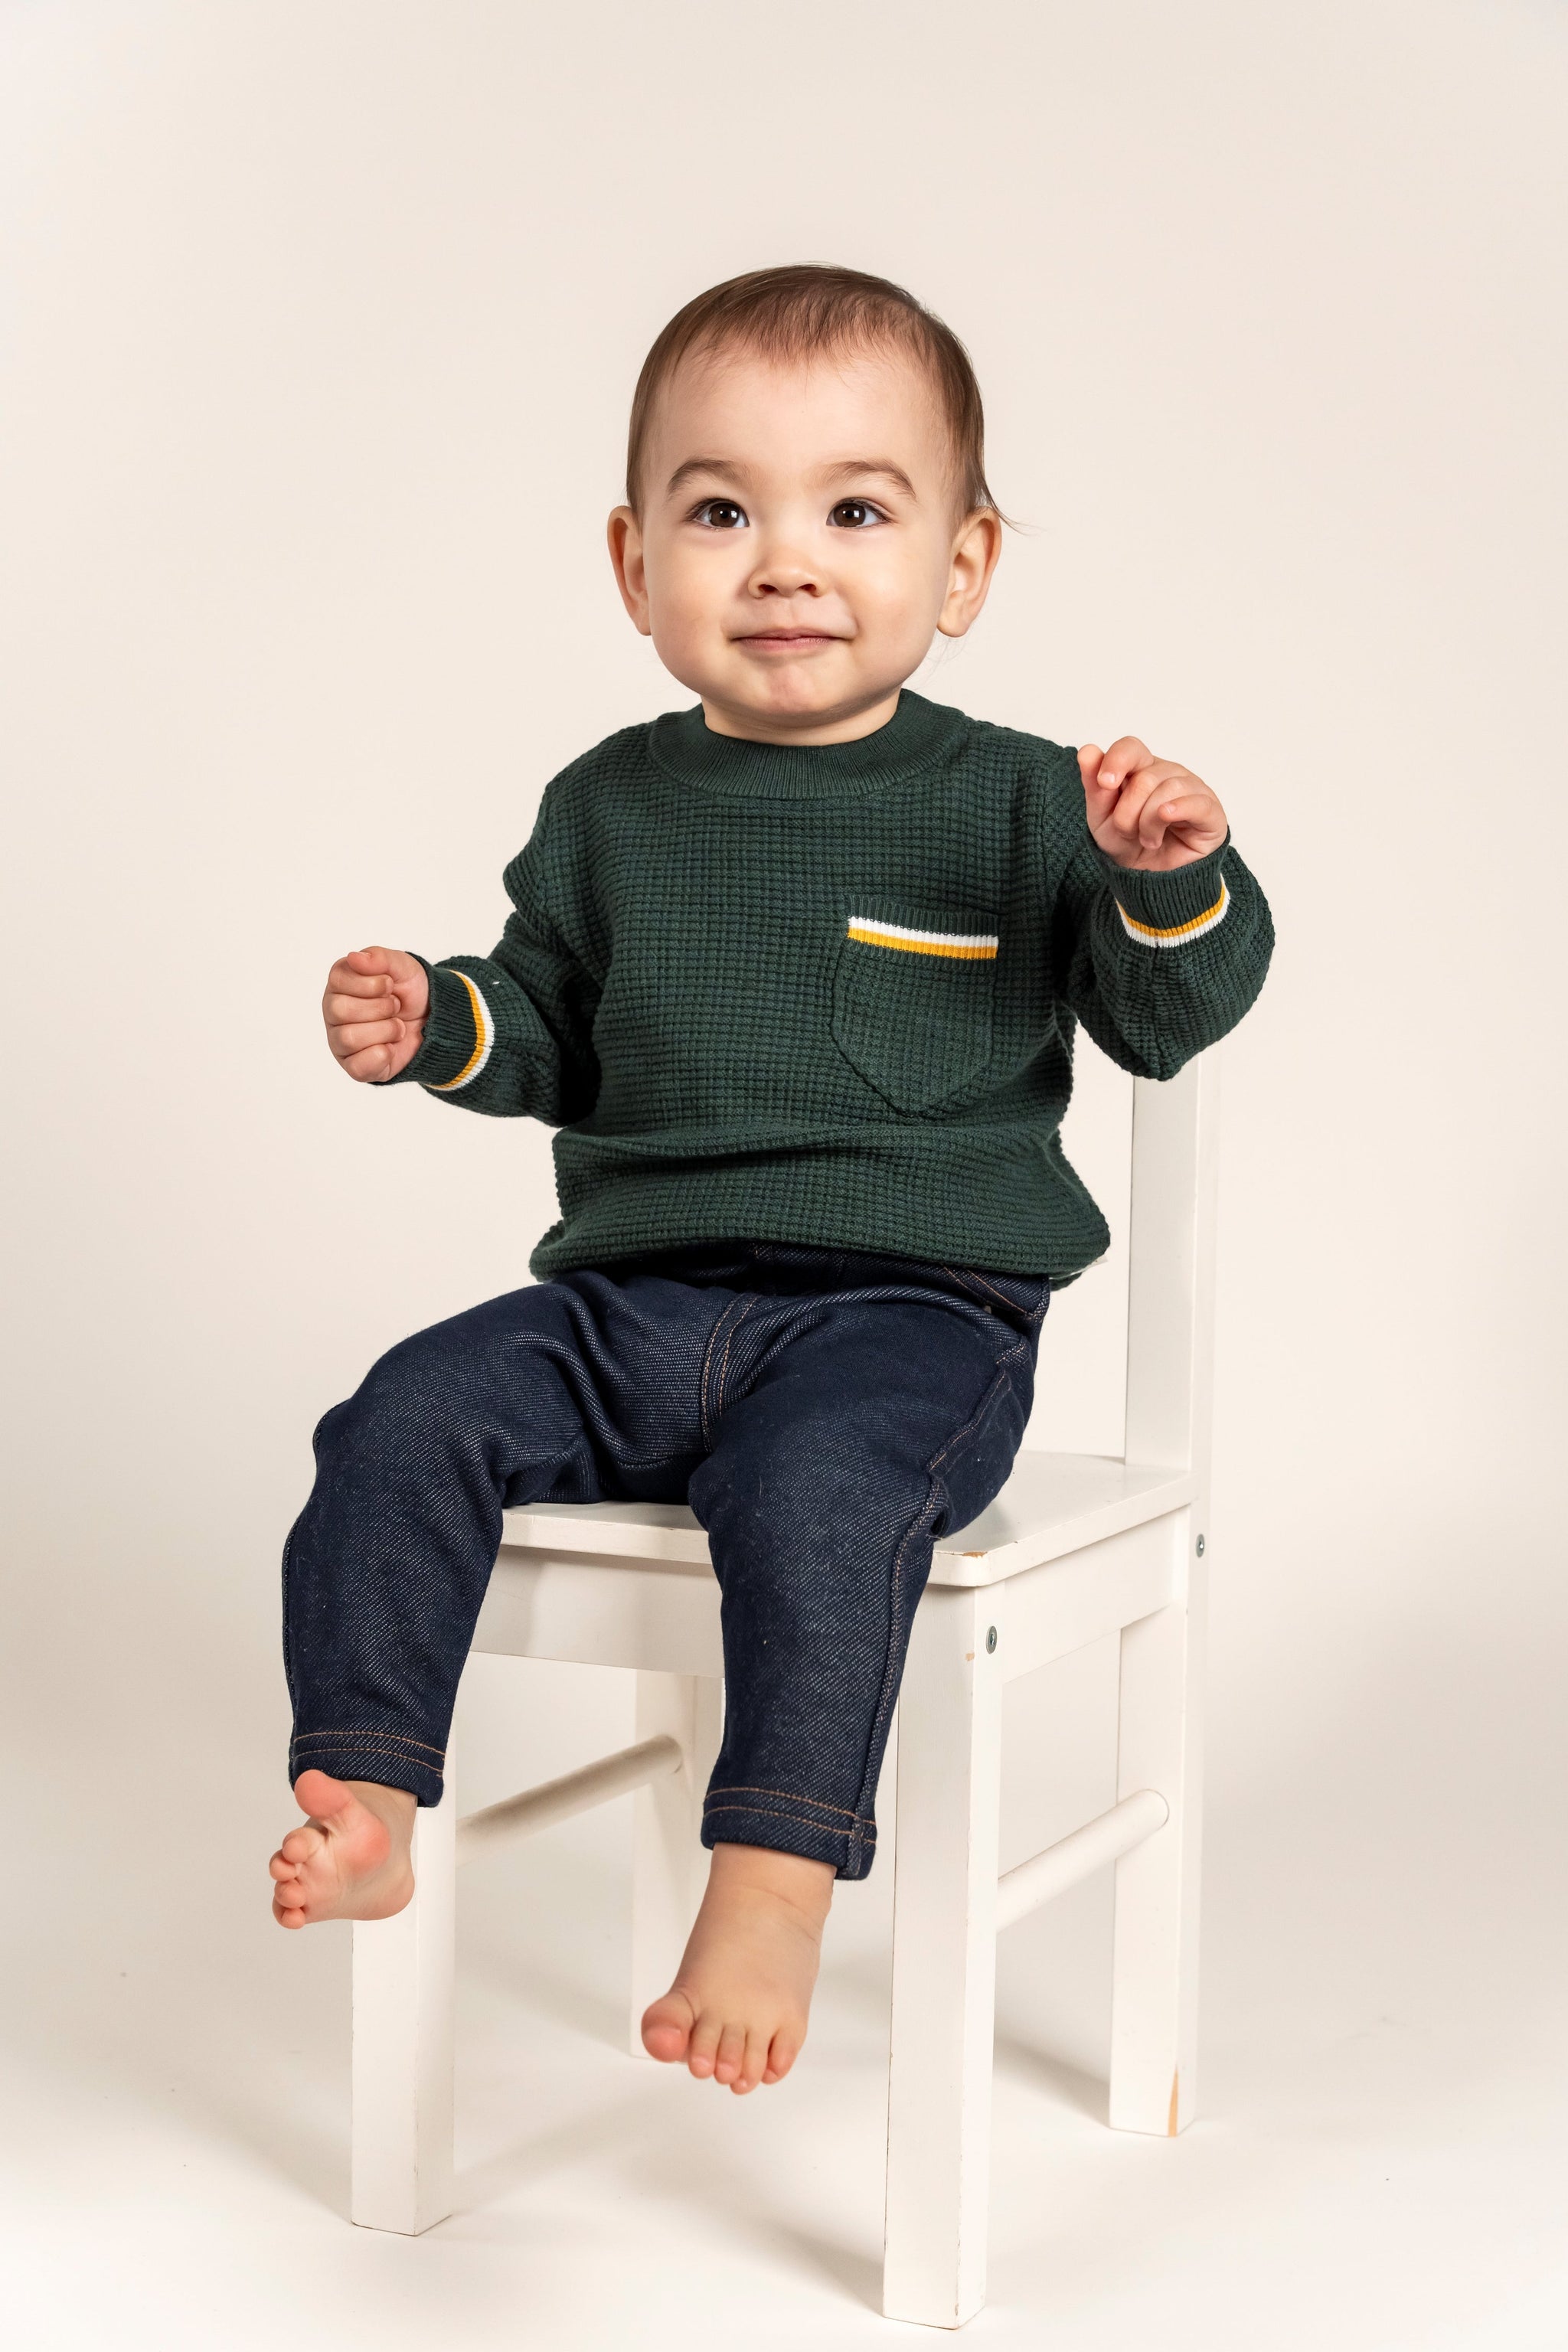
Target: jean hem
[(374, 1762), (851, 1851)]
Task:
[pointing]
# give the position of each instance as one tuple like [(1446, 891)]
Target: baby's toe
[(301, 1844), (752, 2063), (703, 2047), (666, 2027), (782, 2052), (730, 2053)]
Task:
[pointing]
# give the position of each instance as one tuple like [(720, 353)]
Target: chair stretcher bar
[(1059, 1866), (556, 1801)]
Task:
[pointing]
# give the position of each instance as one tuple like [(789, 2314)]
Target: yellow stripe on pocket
[(973, 946)]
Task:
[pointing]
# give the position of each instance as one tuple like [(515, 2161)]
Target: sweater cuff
[(1168, 911), (458, 1033)]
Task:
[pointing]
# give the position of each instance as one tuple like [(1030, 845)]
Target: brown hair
[(807, 306)]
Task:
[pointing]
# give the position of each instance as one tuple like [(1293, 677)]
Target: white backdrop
[(320, 325)]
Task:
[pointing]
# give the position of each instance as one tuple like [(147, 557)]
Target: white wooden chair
[(1075, 1548)]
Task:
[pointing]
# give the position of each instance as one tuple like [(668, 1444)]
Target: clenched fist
[(1145, 812), (374, 1010)]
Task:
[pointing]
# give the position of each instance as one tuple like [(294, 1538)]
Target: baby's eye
[(855, 514), (721, 514)]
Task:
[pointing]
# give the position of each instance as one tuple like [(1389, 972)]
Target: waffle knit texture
[(827, 993)]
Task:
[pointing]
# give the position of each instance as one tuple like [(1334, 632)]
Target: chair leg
[(945, 1962), (403, 1987), (669, 1863), (1154, 1987)]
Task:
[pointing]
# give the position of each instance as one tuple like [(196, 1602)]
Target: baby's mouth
[(788, 640)]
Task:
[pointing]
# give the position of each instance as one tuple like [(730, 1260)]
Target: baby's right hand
[(374, 1010)]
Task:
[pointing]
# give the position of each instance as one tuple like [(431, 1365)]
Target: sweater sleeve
[(1158, 966), (511, 1033)]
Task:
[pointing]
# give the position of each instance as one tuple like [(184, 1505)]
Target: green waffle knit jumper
[(827, 993)]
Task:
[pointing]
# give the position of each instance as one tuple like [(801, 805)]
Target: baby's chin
[(811, 687)]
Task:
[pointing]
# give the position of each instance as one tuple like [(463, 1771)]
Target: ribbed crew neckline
[(918, 733)]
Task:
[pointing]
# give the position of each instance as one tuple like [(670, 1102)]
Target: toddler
[(795, 975)]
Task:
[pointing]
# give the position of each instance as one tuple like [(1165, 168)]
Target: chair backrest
[(1170, 1302)]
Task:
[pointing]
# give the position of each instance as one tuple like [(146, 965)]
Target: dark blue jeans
[(826, 1415)]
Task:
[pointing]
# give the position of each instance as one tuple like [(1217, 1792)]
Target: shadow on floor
[(1064, 2083)]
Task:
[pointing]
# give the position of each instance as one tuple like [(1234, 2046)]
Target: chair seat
[(1053, 1504)]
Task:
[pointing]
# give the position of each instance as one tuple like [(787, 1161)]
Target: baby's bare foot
[(350, 1859), (738, 2007)]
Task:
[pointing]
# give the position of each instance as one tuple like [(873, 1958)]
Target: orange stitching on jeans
[(373, 1747), (750, 1788), (961, 1275), (774, 1814), (724, 1362), (991, 1287), (706, 1361), (337, 1760), (371, 1732), (1003, 1380)]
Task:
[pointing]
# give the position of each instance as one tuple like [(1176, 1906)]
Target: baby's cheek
[(902, 593), (687, 605)]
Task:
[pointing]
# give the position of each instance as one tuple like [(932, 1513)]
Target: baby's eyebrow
[(719, 466), (843, 469), (857, 468)]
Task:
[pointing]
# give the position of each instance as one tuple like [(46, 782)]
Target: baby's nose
[(784, 574)]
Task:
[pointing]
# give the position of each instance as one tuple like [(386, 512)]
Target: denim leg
[(577, 1390), (852, 1431)]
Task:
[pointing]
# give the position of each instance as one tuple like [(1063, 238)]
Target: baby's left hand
[(1145, 812)]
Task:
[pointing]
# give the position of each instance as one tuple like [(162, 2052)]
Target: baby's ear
[(975, 552), (623, 533)]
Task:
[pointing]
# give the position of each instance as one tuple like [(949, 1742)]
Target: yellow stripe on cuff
[(1177, 934), (483, 1037)]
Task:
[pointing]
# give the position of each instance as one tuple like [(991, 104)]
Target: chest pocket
[(912, 994)]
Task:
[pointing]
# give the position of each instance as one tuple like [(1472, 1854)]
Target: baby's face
[(798, 545)]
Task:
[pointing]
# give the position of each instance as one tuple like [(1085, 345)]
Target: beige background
[(320, 323)]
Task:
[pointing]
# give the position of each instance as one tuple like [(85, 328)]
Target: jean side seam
[(1003, 1378), (884, 1707), (1001, 1382)]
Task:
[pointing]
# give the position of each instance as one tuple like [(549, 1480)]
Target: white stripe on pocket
[(973, 946)]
